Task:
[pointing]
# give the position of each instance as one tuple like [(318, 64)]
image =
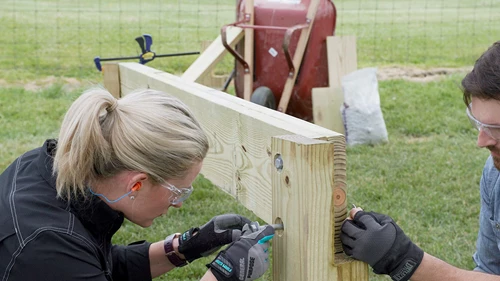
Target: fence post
[(111, 73), (311, 206)]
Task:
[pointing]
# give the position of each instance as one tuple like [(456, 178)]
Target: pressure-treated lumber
[(350, 270), (297, 57), (111, 78), (210, 79), (241, 162), (239, 132), (342, 60), (204, 64), (304, 201), (326, 108), (215, 81), (249, 51)]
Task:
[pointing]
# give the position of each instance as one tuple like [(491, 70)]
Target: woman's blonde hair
[(147, 131)]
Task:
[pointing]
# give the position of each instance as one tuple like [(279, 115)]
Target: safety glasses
[(492, 131), (178, 195)]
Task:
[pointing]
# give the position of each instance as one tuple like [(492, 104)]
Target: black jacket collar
[(94, 213)]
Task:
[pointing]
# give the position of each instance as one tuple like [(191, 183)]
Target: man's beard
[(496, 162)]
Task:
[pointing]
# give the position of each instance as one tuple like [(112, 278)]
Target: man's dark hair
[(483, 81)]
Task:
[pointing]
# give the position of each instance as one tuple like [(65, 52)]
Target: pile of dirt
[(383, 73), (68, 83), (416, 74)]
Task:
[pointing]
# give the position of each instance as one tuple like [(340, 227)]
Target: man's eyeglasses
[(492, 131), (178, 195)]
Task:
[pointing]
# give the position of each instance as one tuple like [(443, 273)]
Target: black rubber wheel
[(264, 96)]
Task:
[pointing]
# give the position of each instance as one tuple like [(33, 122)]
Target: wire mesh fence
[(422, 32), (61, 37)]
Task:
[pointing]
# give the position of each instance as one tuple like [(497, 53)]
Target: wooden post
[(297, 57), (212, 55), (210, 79), (326, 108), (249, 51), (342, 60), (349, 269), (309, 198), (111, 73)]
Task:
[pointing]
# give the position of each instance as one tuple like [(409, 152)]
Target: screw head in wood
[(278, 162)]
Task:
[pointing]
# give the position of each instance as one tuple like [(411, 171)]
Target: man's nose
[(485, 140)]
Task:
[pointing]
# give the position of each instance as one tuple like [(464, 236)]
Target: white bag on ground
[(363, 120)]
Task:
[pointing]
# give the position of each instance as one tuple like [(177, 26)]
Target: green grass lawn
[(421, 33), (61, 37), (426, 177)]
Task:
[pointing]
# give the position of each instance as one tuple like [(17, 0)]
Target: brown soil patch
[(383, 73), (68, 83), (416, 74), (411, 140)]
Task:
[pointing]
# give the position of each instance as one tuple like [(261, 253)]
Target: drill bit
[(277, 226)]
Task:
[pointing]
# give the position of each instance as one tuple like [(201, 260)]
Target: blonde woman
[(131, 158)]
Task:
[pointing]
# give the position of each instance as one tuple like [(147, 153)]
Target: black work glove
[(245, 259), (377, 240), (202, 241)]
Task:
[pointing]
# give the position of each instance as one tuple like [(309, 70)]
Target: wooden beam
[(214, 81), (326, 108), (111, 74), (249, 51), (342, 58), (298, 55), (210, 79), (239, 160), (204, 64)]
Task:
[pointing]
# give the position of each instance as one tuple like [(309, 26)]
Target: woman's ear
[(137, 180)]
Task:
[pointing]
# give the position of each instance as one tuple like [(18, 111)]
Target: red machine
[(277, 26)]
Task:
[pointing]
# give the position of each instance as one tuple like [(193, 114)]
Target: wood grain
[(111, 75), (307, 195), (298, 55), (326, 108), (239, 160), (204, 64), (249, 51), (342, 58)]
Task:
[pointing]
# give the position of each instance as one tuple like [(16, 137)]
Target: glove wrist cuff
[(221, 267), (186, 245), (408, 266)]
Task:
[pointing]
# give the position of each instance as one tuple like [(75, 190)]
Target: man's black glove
[(202, 241), (377, 240), (245, 259)]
